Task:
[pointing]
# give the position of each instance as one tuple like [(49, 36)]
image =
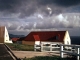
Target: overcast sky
[(23, 16)]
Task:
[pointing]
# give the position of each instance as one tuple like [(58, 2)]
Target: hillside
[(12, 35)]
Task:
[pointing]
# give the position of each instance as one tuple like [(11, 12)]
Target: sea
[(75, 40)]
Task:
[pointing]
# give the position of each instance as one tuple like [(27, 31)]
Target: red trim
[(36, 37)]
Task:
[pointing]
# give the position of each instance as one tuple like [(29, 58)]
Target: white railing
[(68, 49), (50, 48), (75, 52), (47, 47)]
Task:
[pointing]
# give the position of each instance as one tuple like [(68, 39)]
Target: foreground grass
[(49, 58), (21, 47)]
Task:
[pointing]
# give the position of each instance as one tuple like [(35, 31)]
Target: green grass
[(49, 58), (21, 47)]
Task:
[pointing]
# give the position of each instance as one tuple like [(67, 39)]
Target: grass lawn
[(49, 58), (21, 47)]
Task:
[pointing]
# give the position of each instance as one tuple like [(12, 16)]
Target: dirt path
[(29, 54)]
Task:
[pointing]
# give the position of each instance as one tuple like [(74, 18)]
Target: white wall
[(6, 37), (67, 39), (37, 42)]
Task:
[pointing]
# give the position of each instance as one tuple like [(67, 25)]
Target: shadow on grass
[(49, 58)]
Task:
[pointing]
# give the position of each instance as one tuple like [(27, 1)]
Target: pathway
[(30, 54)]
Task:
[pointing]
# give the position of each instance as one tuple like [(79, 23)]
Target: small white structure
[(37, 42), (4, 36), (67, 39)]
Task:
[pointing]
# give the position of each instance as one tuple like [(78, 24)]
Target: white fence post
[(77, 53), (61, 51), (35, 47), (41, 47), (50, 47)]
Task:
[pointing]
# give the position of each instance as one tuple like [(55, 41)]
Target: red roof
[(15, 39), (56, 36)]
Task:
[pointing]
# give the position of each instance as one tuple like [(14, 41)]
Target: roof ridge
[(48, 31)]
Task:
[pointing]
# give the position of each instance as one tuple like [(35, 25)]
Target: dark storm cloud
[(11, 4), (67, 3), (60, 2), (24, 7), (8, 4), (28, 7)]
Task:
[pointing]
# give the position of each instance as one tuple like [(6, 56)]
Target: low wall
[(28, 42)]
